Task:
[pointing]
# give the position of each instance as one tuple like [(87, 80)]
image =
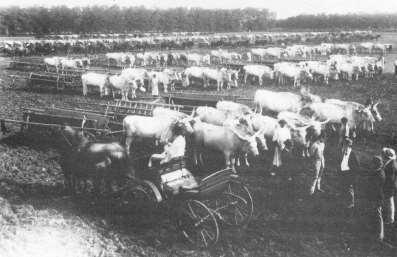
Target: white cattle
[(194, 59), (165, 112), (284, 101), (260, 71), (95, 79), (321, 70), (158, 128), (268, 125), (235, 109), (226, 139), (277, 101), (217, 75), (212, 115), (53, 61), (196, 72), (286, 70), (362, 118), (137, 75), (123, 85), (357, 106), (295, 120)]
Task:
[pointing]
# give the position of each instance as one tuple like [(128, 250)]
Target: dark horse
[(83, 159)]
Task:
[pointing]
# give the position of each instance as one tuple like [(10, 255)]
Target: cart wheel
[(234, 206), (198, 224), (140, 197)]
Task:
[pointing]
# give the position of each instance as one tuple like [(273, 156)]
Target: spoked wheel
[(142, 197), (198, 224), (234, 206)]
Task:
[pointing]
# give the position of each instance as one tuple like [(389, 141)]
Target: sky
[(283, 8)]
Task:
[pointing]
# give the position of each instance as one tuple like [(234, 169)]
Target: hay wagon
[(96, 117), (55, 81), (200, 98)]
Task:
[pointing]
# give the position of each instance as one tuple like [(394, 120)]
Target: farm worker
[(281, 135), (344, 130), (155, 85), (390, 168), (316, 153), (395, 67), (376, 183), (348, 169), (172, 150)]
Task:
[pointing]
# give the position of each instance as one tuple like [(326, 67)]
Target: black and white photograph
[(178, 128)]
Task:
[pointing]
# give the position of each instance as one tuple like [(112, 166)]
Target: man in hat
[(348, 169), (316, 152), (390, 187), (174, 149), (376, 196), (281, 136)]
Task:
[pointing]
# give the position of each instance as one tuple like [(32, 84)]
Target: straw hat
[(389, 153)]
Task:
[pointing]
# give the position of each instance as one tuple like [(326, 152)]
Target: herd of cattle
[(235, 129), (73, 45), (336, 67)]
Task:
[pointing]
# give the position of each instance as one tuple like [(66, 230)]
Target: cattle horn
[(193, 112), (239, 135), (325, 122), (259, 132)]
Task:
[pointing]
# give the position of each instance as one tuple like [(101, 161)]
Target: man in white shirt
[(348, 170), (281, 135), (154, 83), (316, 152), (172, 150)]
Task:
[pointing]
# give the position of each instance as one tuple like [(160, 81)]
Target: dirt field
[(36, 215)]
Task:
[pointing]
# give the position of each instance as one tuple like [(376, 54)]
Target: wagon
[(199, 205)]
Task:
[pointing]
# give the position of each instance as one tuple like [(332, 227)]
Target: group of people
[(382, 177), (382, 174)]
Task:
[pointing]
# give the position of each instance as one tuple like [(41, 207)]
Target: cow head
[(74, 138), (375, 112), (253, 145), (365, 118), (185, 124)]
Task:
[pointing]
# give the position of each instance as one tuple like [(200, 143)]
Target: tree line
[(113, 19), (340, 21)]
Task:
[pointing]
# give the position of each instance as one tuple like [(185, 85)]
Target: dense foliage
[(61, 19), (340, 21), (114, 19)]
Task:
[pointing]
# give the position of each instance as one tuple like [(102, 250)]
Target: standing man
[(395, 68), (348, 169), (344, 131), (281, 136), (376, 196), (155, 85), (316, 153), (390, 188)]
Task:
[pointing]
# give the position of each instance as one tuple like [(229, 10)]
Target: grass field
[(36, 216)]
